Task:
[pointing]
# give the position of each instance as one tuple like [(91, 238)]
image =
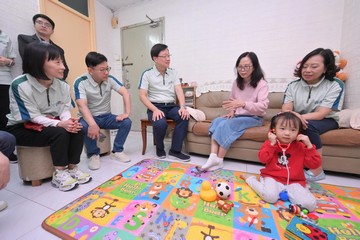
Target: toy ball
[(284, 196), (223, 190)]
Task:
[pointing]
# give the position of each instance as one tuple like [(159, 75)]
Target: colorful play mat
[(157, 199)]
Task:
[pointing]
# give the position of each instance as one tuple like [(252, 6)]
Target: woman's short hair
[(257, 73), (329, 63), (93, 59), (35, 55), (156, 49), (289, 118)]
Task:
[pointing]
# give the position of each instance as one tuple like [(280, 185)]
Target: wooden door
[(74, 32)]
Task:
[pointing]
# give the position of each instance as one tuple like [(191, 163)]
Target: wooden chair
[(144, 124)]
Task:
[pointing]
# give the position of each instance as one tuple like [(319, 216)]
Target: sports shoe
[(3, 205), (63, 180), (13, 158), (79, 175), (179, 156), (311, 178), (120, 156), (160, 154), (94, 162)]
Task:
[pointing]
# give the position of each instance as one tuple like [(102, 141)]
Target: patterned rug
[(157, 199)]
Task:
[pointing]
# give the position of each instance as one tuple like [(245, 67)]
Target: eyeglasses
[(165, 56), (102, 70), (45, 24), (244, 68)]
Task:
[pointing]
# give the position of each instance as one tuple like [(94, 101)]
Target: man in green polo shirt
[(93, 95), (159, 88)]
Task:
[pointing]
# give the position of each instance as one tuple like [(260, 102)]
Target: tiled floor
[(29, 206)]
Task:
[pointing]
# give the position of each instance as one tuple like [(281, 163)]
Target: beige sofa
[(341, 147)]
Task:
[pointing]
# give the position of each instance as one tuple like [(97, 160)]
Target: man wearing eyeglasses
[(93, 95), (44, 28), (159, 87)]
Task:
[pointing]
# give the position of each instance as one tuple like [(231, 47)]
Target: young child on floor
[(285, 154)]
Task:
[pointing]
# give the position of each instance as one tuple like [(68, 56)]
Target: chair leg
[(144, 137), (36, 183), (154, 142)]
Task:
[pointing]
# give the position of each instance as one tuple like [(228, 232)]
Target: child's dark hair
[(289, 118)]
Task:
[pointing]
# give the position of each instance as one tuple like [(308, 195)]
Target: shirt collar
[(35, 83), (92, 81), (304, 84), (157, 71)]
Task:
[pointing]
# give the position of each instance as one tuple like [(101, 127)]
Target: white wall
[(350, 49), (16, 18), (205, 37), (108, 43)]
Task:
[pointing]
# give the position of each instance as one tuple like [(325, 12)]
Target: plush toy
[(341, 64)]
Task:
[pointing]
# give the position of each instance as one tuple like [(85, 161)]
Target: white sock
[(212, 161), (218, 166)]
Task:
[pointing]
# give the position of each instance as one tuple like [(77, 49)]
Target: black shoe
[(160, 154), (179, 156), (13, 158)]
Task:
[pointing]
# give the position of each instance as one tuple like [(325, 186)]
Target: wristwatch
[(183, 106)]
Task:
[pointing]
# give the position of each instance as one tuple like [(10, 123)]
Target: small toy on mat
[(298, 210), (284, 196), (225, 206), (303, 213), (299, 229), (223, 190), (207, 193)]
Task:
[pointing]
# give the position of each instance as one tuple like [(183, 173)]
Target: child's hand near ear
[(304, 139), (272, 138)]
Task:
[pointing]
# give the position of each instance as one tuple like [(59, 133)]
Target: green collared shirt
[(306, 98), (98, 96), (161, 89)]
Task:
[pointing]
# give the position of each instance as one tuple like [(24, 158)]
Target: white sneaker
[(3, 205), (63, 180), (80, 176), (120, 156), (94, 162)]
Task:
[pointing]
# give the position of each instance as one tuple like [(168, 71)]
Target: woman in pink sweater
[(247, 105)]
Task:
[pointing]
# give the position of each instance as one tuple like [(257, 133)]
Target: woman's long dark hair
[(256, 75)]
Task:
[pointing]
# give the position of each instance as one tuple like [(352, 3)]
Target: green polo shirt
[(306, 98), (98, 96), (6, 50), (161, 89), (29, 100)]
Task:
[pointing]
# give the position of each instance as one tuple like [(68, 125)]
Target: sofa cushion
[(341, 137), (344, 118), (275, 103), (211, 104), (355, 119)]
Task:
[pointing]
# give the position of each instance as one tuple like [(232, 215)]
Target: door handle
[(127, 64)]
